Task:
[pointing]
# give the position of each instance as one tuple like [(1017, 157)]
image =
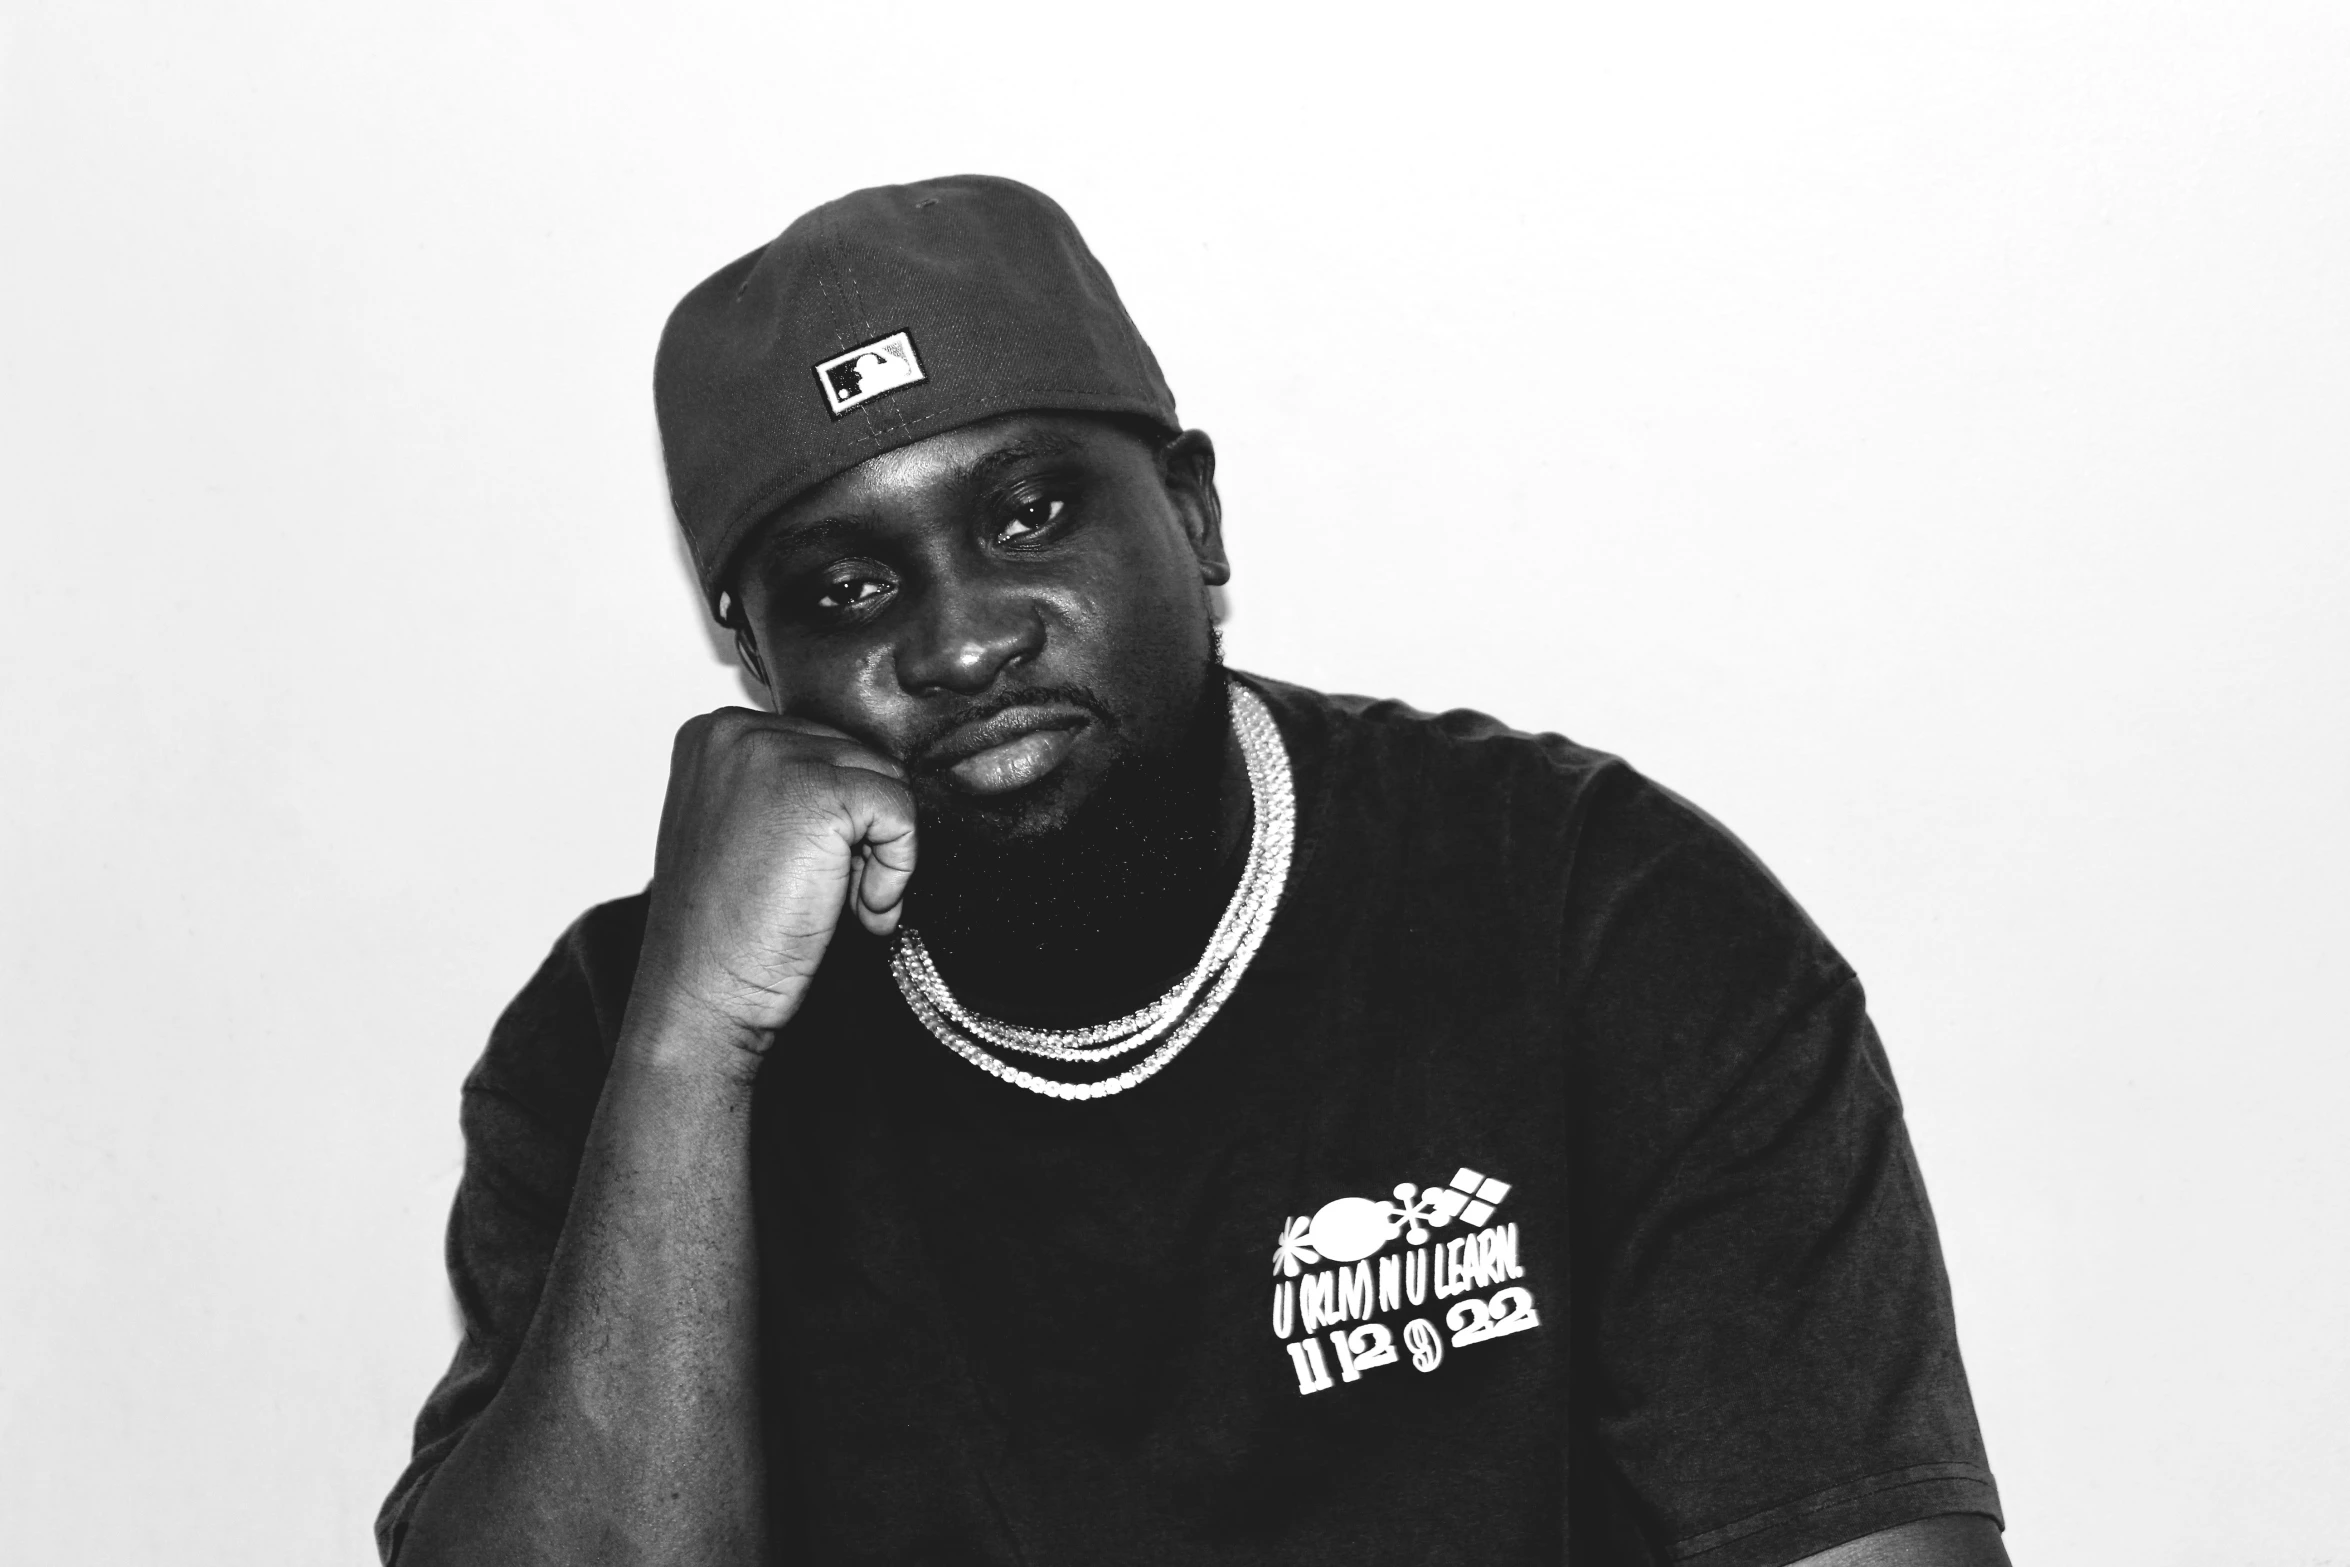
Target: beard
[(1097, 914)]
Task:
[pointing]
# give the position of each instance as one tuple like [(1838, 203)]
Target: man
[(896, 1181)]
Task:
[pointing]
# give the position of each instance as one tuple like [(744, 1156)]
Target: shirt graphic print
[(1337, 1267)]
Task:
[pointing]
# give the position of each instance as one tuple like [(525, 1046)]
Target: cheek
[(1130, 617), (1152, 585), (1135, 629), (853, 689)]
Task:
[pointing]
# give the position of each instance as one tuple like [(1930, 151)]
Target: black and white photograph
[(1029, 785)]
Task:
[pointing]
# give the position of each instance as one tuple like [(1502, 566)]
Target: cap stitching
[(824, 281), (840, 259)]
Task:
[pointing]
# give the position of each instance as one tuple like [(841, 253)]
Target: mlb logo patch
[(862, 374)]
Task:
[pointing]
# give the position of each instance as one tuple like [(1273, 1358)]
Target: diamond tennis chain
[(1176, 1018)]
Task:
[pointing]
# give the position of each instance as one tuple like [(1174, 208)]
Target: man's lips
[(1009, 751)]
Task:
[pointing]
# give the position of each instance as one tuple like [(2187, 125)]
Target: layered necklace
[(1161, 1029)]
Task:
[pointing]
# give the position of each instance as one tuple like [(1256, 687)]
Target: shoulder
[(1674, 951), (1585, 819), (548, 1052), (1367, 739), (1454, 796), (1657, 874)]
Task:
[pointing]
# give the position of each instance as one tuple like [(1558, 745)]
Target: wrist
[(677, 1033)]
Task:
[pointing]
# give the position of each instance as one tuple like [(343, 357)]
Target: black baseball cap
[(890, 315)]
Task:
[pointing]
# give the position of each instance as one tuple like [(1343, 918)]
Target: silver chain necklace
[(1176, 1018)]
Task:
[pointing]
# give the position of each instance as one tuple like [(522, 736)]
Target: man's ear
[(748, 651), (1188, 464)]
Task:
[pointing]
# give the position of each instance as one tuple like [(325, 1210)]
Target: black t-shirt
[(1540, 1195)]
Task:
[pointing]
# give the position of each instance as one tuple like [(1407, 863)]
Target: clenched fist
[(772, 827)]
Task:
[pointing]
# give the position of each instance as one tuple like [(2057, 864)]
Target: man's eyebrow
[(1027, 448), (821, 533)]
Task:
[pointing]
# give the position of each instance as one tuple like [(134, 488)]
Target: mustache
[(920, 756)]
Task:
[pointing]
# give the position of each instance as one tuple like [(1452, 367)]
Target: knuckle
[(715, 727)]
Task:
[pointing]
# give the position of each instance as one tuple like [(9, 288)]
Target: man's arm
[(1953, 1540), (629, 1427)]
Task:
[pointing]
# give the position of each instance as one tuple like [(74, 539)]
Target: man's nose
[(970, 635)]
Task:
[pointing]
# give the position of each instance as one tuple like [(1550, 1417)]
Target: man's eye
[(1031, 518), (850, 592)]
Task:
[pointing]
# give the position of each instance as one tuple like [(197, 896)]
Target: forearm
[(628, 1430), (1953, 1540)]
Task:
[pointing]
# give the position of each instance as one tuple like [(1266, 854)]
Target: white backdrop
[(1921, 436)]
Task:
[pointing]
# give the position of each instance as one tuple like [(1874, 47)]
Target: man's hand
[(772, 827)]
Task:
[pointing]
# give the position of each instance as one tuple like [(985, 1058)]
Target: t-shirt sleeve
[(1767, 1364), (525, 1112)]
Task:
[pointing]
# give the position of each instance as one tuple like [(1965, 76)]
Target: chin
[(1020, 816)]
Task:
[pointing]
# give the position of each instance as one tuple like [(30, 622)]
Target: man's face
[(1010, 609)]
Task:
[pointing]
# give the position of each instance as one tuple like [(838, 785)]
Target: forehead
[(953, 466), (951, 459)]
